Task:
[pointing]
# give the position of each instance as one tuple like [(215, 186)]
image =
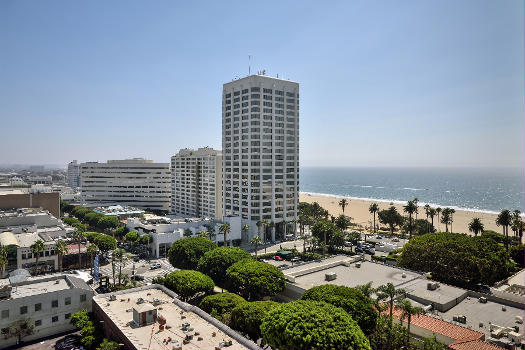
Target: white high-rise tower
[(260, 141)]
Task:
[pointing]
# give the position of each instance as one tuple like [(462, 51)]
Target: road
[(141, 268)]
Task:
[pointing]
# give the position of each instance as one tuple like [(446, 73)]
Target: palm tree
[(79, 235), (304, 237), (259, 224), (366, 289), (343, 203), (504, 219), (37, 248), (476, 226), (431, 214), (410, 209), (119, 255), (3, 259), (245, 229), (272, 226), (438, 211), (256, 240), (203, 234), (407, 311), (61, 248), (373, 209), (516, 219), (225, 229), (447, 218), (211, 231), (265, 224), (416, 201), (92, 250), (389, 292), (113, 260)]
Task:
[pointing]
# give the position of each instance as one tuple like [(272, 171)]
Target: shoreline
[(357, 209)]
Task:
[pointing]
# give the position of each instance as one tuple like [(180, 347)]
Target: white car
[(154, 266)]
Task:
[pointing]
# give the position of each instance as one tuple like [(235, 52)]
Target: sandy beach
[(358, 210)]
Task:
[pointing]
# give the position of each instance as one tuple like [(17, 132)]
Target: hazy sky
[(395, 83)]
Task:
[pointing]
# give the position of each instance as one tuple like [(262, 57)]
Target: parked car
[(295, 259), (136, 258), (137, 278), (359, 250), (395, 239), (348, 244), (379, 237), (370, 251), (277, 258), (154, 266), (482, 288)]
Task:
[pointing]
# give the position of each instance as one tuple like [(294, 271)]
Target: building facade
[(73, 174), (260, 139), (44, 304), (196, 183), (135, 182)]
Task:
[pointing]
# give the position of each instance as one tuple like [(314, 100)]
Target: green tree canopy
[(132, 236), (188, 283), (105, 243), (495, 236), (108, 222), (456, 258), (186, 252), (145, 239), (221, 305), (517, 253), (306, 324), (108, 345), (121, 231), (92, 218), (70, 221), (391, 218), (351, 300), (254, 279), (90, 236), (333, 233), (65, 207), (419, 227), (215, 262), (247, 317), (80, 211)]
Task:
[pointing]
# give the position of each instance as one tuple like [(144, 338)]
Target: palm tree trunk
[(79, 258), (374, 221), (408, 327)]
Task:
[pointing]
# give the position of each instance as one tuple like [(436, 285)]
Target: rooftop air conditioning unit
[(432, 286), (358, 265), (462, 319), (483, 300), (330, 276)]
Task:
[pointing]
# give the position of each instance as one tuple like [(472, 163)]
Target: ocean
[(476, 189)]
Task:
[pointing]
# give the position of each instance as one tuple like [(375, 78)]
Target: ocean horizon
[(486, 190)]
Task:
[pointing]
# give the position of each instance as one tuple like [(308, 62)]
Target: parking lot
[(140, 268)]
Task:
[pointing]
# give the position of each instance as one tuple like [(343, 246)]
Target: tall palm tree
[(61, 248), (447, 218), (373, 209), (120, 257), (3, 259), (390, 293), (343, 203), (211, 231), (407, 311), (416, 202), (304, 237), (78, 236), (366, 289), (272, 226), (476, 226), (246, 229), (37, 248), (256, 240), (259, 224), (516, 219), (431, 214), (438, 211), (410, 209), (203, 234), (225, 229), (504, 219), (265, 224), (92, 250)]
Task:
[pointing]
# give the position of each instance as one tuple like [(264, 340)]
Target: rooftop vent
[(330, 276)]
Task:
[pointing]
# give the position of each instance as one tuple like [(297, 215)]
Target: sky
[(382, 83)]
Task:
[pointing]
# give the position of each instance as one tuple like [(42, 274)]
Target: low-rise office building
[(37, 307), (152, 317), (23, 198)]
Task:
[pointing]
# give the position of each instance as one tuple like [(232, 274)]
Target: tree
[(108, 345), (391, 218), (187, 233), (90, 236), (256, 241), (120, 232), (92, 218), (92, 250), (132, 237), (188, 283), (373, 209), (517, 253), (21, 328), (447, 218), (245, 229), (410, 209), (80, 211), (265, 224), (146, 239), (247, 317), (203, 234), (457, 259), (70, 221), (108, 222), (306, 324), (61, 248), (419, 227), (387, 335), (105, 243), (342, 222), (119, 255), (326, 232), (65, 207), (3, 259), (221, 305), (225, 229), (215, 262), (352, 300), (407, 311), (476, 226), (254, 279), (389, 293), (186, 252), (504, 219), (343, 203), (79, 236), (37, 248), (366, 289), (438, 211), (431, 213), (304, 237)]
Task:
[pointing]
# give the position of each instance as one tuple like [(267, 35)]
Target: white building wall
[(260, 141), (135, 182), (73, 174)]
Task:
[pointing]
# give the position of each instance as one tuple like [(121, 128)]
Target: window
[(5, 313), (68, 316), (68, 301), (38, 323), (54, 303), (38, 307), (54, 319), (23, 310), (83, 297)]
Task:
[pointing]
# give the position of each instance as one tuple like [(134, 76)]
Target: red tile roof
[(474, 345)]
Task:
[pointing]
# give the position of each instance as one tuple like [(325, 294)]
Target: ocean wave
[(396, 201), (414, 189), (362, 186)]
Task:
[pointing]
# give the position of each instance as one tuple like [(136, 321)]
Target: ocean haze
[(483, 189)]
